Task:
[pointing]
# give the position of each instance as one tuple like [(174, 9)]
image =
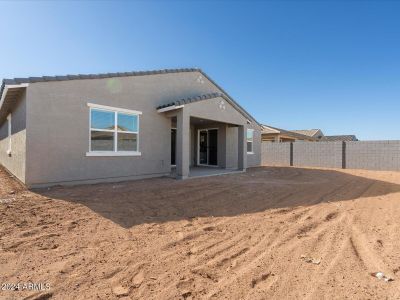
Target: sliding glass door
[(208, 147)]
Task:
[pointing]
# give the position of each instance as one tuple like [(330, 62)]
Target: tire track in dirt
[(315, 285), (283, 239), (364, 252), (356, 243), (196, 263), (232, 249), (242, 240), (252, 259)]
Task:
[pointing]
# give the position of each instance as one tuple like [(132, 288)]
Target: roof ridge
[(18, 80), (122, 74), (340, 135)]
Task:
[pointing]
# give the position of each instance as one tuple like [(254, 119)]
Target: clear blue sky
[(333, 65)]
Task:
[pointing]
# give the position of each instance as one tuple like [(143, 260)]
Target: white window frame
[(114, 110), (9, 134), (252, 141)]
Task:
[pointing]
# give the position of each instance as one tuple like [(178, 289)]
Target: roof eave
[(240, 108), (270, 128), (7, 87), (169, 108)]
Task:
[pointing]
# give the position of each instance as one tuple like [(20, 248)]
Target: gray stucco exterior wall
[(56, 115), (254, 159), (232, 145), (16, 162)]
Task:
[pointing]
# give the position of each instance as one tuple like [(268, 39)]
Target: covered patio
[(207, 137)]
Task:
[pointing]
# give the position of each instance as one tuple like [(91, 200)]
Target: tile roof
[(193, 99), (308, 132), (344, 138), (267, 129), (95, 76)]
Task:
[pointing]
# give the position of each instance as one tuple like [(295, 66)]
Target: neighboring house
[(273, 134), (314, 133), (121, 126), (340, 138)]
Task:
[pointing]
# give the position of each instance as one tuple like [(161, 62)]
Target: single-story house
[(122, 126), (274, 134)]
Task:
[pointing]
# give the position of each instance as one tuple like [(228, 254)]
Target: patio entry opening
[(207, 147), (202, 147)]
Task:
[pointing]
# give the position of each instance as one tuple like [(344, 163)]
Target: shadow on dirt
[(164, 199)]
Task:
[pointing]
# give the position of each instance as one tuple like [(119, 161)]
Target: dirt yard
[(270, 233)]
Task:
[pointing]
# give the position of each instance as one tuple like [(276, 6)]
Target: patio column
[(182, 144), (222, 145), (242, 148)]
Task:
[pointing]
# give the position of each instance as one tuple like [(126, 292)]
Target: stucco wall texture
[(52, 121), (58, 141), (16, 162), (369, 155)]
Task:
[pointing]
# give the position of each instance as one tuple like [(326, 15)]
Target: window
[(113, 131), (250, 137), (9, 134)]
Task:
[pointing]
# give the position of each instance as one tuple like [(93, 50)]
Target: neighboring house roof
[(17, 81), (337, 138), (269, 129), (308, 132), (311, 134)]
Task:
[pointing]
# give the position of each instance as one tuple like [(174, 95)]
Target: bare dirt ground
[(241, 236)]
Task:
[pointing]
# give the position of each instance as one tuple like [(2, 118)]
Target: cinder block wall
[(373, 155), (317, 154), (275, 154), (369, 155)]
